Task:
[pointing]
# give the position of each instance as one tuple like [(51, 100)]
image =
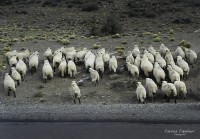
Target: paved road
[(96, 130)]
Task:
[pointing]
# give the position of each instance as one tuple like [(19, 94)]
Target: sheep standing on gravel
[(151, 88), (140, 92), (163, 50), (72, 68), (9, 54), (158, 73), (13, 61), (191, 56), (179, 52), (149, 56), (173, 75), (47, 71), (168, 57), (81, 54), (63, 68), (75, 92), (24, 55), (21, 68), (16, 76), (130, 58), (106, 58), (152, 50), (48, 54), (113, 64), (161, 61), (70, 53), (146, 66), (9, 84), (99, 64), (180, 88), (90, 61), (34, 62), (137, 61), (57, 59), (136, 51), (184, 66), (177, 69), (169, 90), (133, 69), (88, 53), (94, 75)]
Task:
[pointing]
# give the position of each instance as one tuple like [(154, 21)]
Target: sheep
[(34, 62), (48, 54), (106, 58), (130, 58), (161, 61), (102, 51), (88, 53), (169, 90), (81, 54), (24, 55), (140, 92), (184, 66), (90, 61), (158, 73), (173, 75), (13, 61), (146, 66), (137, 61), (191, 56), (113, 64), (133, 69), (9, 54), (9, 84), (152, 50), (149, 56), (136, 51), (75, 92), (71, 68), (99, 64), (70, 54), (179, 52), (94, 75), (181, 88), (21, 68), (63, 67), (57, 59), (151, 88), (47, 71), (168, 57), (16, 76), (177, 69), (163, 50)]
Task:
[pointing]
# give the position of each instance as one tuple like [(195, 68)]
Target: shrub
[(96, 46), (64, 41), (185, 44), (157, 39)]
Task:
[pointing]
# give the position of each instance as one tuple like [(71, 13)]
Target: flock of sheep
[(157, 66)]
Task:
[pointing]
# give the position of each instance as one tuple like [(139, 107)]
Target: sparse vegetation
[(6, 48), (120, 52), (96, 46), (124, 42), (64, 41), (184, 43), (157, 39), (119, 48), (115, 36), (171, 39)]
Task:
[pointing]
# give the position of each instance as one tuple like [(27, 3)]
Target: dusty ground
[(40, 27)]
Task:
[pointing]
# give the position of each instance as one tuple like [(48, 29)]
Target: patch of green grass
[(171, 39), (156, 36), (6, 48), (73, 36), (146, 33), (2, 64), (64, 41), (115, 36), (185, 44), (96, 46), (157, 39), (124, 42), (119, 48), (120, 52), (38, 94)]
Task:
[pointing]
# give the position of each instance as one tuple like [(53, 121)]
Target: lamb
[(136, 51), (9, 84), (89, 63), (47, 71), (99, 64), (177, 69), (130, 58), (48, 54), (63, 67), (94, 75), (106, 58), (168, 57), (57, 59), (184, 66), (158, 73), (16, 76), (149, 56), (181, 88), (133, 69), (152, 50), (191, 56), (34, 62), (13, 61), (146, 66), (161, 61), (163, 50), (169, 90), (151, 88), (113, 64), (81, 54), (137, 61), (173, 75), (21, 68), (75, 92), (72, 68), (9, 54), (179, 52), (23, 55), (140, 92)]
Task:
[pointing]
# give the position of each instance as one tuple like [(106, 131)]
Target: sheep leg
[(14, 94), (74, 101), (32, 71), (54, 68), (18, 82), (79, 100), (175, 99)]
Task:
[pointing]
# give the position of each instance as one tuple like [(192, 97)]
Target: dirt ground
[(39, 28)]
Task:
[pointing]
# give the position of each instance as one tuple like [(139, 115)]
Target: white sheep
[(48, 54), (140, 92), (57, 59), (181, 88), (106, 58), (169, 90), (163, 50), (47, 71), (9, 54), (137, 61), (113, 64), (13, 61), (88, 53), (102, 51), (16, 76), (90, 61), (63, 68), (152, 50), (94, 75), (168, 57), (136, 51), (34, 62), (149, 56), (151, 88), (173, 75), (133, 69), (75, 92), (184, 66), (81, 54), (21, 68), (71, 54), (179, 52), (24, 54), (146, 66), (161, 61), (130, 58), (9, 84), (72, 68), (177, 69), (191, 56), (99, 64), (158, 73)]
